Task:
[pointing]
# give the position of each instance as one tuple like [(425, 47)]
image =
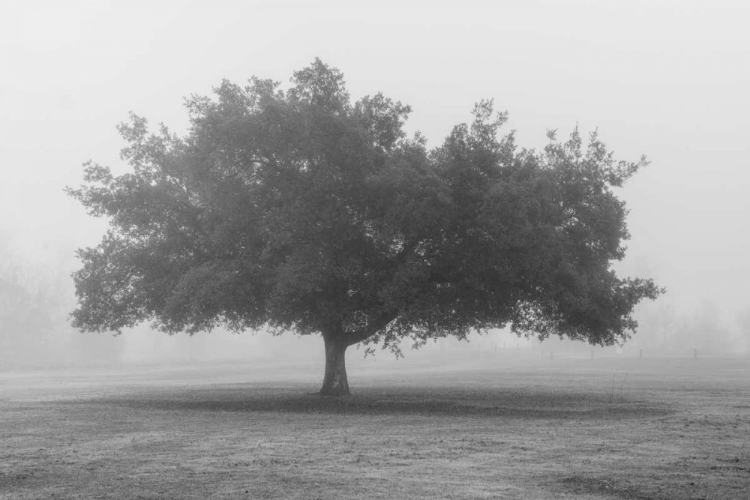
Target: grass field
[(500, 426)]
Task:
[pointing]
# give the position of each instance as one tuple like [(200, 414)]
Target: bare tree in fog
[(743, 322), (35, 300), (706, 331), (304, 211), (662, 329), (33, 312)]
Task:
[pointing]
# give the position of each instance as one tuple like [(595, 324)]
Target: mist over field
[(437, 226), (665, 79)]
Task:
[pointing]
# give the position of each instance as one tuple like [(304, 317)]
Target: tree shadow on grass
[(533, 403)]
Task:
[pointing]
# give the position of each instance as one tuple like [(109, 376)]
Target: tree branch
[(376, 325)]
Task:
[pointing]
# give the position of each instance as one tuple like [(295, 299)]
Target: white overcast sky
[(669, 79)]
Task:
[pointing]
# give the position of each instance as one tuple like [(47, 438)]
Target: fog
[(667, 79)]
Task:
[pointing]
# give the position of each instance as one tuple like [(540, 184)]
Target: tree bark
[(335, 382), (336, 341)]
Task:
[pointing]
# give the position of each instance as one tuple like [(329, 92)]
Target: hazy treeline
[(664, 329), (36, 296)]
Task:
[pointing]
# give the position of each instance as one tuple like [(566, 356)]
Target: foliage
[(304, 211)]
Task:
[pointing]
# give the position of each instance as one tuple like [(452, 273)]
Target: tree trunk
[(335, 382)]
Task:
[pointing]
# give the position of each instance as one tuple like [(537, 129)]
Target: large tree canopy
[(300, 210)]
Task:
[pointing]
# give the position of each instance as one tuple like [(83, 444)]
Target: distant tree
[(20, 318), (706, 331), (305, 212), (743, 322), (35, 298), (31, 310), (659, 328)]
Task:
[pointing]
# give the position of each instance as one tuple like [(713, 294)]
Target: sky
[(668, 79)]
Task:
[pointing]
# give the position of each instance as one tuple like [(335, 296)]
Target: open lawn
[(498, 427)]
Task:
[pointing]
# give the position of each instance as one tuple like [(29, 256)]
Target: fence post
[(640, 353)]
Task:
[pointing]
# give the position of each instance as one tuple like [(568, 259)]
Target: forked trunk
[(335, 382)]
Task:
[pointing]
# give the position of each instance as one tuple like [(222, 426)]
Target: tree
[(36, 296), (743, 323), (33, 309), (305, 212), (705, 331)]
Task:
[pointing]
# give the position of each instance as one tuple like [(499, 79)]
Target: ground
[(499, 425)]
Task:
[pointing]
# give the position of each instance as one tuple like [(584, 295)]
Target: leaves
[(301, 210)]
